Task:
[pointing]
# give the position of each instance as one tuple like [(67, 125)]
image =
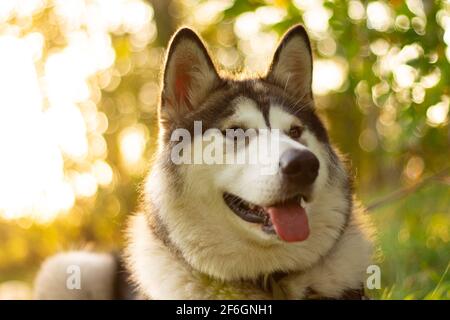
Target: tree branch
[(396, 195)]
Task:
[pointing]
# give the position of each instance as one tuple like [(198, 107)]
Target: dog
[(227, 230)]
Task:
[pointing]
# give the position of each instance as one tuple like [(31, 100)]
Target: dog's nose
[(300, 166)]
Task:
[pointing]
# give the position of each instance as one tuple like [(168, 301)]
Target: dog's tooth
[(302, 201), (252, 206)]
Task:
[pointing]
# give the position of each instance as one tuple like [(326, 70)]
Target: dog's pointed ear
[(189, 74), (291, 67)]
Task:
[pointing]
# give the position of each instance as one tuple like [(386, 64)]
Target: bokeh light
[(80, 85), (48, 115)]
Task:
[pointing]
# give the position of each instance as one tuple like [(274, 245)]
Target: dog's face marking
[(197, 202), (246, 114)]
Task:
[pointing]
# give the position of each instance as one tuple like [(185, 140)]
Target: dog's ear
[(291, 67), (189, 75)]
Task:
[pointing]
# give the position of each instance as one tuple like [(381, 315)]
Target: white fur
[(219, 255), (223, 256), (97, 277), (214, 241), (161, 275)]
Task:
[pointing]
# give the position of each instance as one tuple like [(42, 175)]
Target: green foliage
[(414, 240), (380, 121)]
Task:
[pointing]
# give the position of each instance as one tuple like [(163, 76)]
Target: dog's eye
[(295, 132)]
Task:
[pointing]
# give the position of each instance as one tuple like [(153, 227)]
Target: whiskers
[(302, 107)]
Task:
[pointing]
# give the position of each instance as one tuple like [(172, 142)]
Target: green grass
[(413, 242), (414, 245)]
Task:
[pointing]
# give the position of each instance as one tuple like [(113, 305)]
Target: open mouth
[(287, 219)]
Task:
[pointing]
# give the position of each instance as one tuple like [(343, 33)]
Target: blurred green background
[(79, 87)]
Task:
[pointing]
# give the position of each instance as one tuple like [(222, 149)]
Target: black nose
[(300, 166)]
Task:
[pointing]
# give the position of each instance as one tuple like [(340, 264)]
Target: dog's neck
[(182, 226), (151, 260), (155, 238)]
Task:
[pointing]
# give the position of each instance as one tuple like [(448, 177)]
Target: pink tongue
[(290, 222)]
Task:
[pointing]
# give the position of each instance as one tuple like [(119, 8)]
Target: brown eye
[(295, 132)]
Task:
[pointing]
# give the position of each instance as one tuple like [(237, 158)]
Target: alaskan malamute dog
[(219, 231)]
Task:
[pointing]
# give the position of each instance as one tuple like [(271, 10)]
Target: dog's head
[(246, 181)]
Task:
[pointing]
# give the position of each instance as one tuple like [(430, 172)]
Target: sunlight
[(405, 75), (316, 18), (81, 83), (437, 114), (31, 165), (209, 11), (247, 25), (356, 10), (48, 112), (329, 75), (102, 173), (132, 142), (85, 184), (380, 16)]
